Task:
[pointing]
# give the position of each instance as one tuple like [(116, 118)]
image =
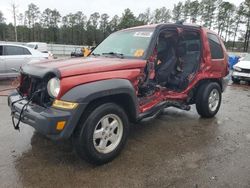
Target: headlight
[(237, 68), (53, 87)]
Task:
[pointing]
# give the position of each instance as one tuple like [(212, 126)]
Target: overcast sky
[(111, 7)]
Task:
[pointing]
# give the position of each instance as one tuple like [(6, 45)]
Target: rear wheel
[(208, 100), (103, 135)]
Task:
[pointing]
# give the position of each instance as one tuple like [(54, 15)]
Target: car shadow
[(170, 135)]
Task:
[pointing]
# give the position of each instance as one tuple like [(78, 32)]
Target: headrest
[(193, 47)]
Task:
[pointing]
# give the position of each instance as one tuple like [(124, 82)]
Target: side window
[(1, 50), (26, 51), (215, 47), (15, 50)]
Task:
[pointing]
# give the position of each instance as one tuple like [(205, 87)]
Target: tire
[(235, 80), (205, 108), (99, 149)]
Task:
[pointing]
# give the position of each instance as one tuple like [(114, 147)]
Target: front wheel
[(102, 136), (208, 100)]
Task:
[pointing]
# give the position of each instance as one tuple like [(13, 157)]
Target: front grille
[(245, 70), (29, 85)]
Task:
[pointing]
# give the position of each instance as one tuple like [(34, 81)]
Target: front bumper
[(241, 75), (44, 120)]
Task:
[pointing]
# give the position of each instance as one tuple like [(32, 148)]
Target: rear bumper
[(44, 120), (241, 75)]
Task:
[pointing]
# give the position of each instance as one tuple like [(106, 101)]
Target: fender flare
[(86, 93)]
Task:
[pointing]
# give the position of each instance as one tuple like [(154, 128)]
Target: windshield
[(130, 43), (246, 58)]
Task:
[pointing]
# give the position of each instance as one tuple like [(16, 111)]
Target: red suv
[(132, 75)]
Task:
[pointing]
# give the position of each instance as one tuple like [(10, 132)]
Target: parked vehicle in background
[(241, 70), (87, 51), (78, 52), (233, 60), (40, 46), (133, 75), (13, 56)]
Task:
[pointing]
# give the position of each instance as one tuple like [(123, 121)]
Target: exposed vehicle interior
[(177, 60)]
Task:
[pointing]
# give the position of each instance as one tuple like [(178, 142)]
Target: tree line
[(231, 22)]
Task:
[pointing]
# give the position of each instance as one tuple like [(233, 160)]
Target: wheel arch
[(217, 80), (194, 91), (122, 99), (119, 91)]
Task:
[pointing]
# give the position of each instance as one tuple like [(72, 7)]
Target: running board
[(153, 112), (179, 105)]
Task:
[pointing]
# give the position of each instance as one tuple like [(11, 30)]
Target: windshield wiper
[(119, 55), (95, 54)]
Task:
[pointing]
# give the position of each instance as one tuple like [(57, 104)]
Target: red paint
[(84, 70), (68, 83), (209, 69), (89, 65)]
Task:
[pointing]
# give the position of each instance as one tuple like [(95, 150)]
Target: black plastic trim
[(89, 92), (43, 119)]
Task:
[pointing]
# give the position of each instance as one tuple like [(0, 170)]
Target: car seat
[(178, 80), (168, 61)]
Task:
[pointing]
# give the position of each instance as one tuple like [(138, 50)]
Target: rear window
[(215, 46), (15, 50)]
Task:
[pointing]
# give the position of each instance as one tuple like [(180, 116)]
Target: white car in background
[(241, 70), (13, 56), (40, 46)]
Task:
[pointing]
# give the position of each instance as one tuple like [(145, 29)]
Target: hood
[(79, 66), (243, 64)]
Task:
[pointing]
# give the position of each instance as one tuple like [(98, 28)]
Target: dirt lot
[(7, 85), (178, 149)]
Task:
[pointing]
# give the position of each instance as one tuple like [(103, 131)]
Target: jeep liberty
[(133, 75)]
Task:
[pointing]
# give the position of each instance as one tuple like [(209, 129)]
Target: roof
[(11, 44), (43, 43), (153, 26), (16, 45)]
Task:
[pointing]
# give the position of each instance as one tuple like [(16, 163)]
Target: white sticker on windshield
[(143, 34)]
